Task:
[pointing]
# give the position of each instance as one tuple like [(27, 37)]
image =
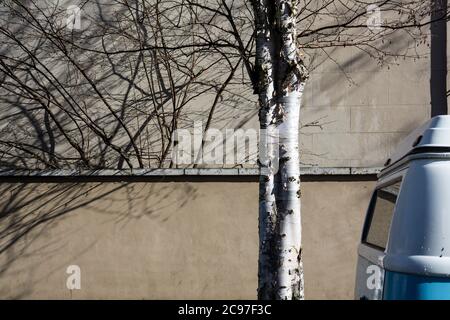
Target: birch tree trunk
[(281, 78)]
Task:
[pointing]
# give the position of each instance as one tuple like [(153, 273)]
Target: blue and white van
[(405, 245)]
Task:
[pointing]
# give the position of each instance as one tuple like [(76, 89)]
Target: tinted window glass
[(381, 215)]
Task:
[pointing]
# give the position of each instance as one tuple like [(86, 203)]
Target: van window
[(382, 210)]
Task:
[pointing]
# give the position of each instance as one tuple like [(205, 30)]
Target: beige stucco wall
[(166, 240)]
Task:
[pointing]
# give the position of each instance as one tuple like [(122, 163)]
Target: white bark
[(267, 206), (281, 78), (290, 270)]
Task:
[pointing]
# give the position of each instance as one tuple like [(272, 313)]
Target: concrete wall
[(364, 109), (174, 240), (355, 109)]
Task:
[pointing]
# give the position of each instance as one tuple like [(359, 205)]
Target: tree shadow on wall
[(112, 93), (30, 211)]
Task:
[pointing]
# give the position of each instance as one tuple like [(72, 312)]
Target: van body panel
[(437, 266), (421, 223), (403, 286)]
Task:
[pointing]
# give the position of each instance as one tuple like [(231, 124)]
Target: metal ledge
[(312, 171)]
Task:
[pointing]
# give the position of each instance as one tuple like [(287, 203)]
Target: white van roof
[(435, 133)]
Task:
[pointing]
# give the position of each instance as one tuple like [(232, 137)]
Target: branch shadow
[(31, 211)]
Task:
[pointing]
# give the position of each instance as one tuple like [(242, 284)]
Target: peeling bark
[(281, 76)]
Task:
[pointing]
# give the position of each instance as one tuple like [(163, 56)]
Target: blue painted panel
[(403, 286)]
